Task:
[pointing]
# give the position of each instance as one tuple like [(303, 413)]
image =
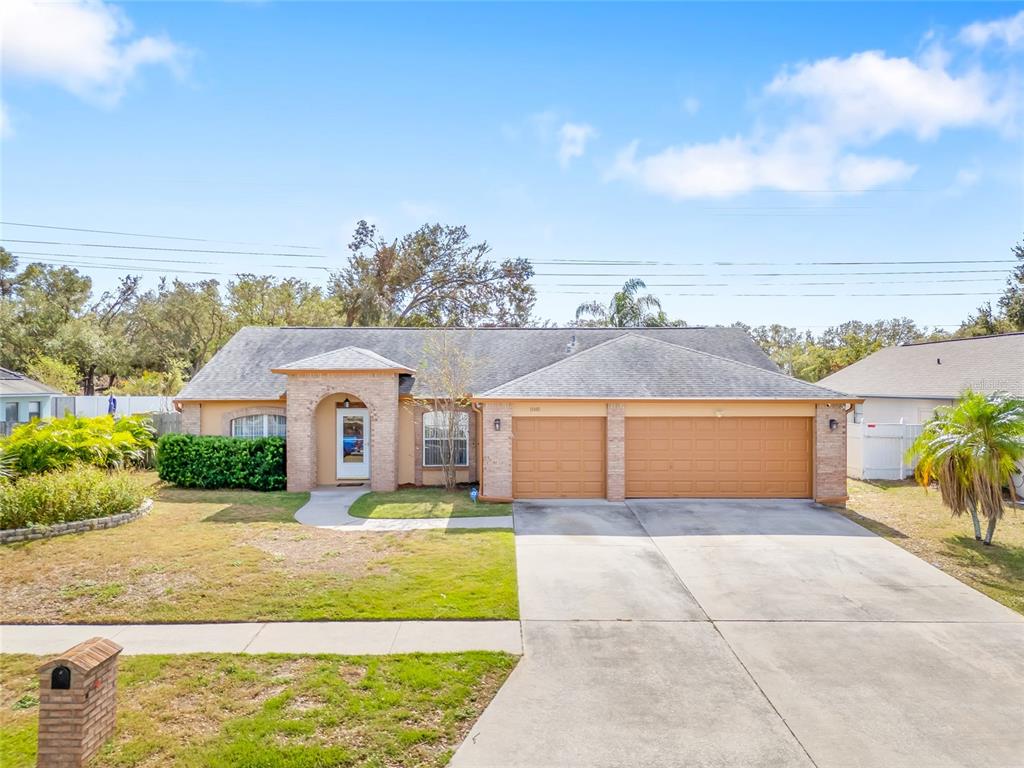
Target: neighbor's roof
[(344, 359), (638, 367), (12, 383), (937, 369), (241, 370)]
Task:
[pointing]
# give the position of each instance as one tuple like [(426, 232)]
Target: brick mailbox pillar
[(77, 703)]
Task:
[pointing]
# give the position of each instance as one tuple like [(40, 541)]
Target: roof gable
[(344, 359), (938, 369), (635, 367)]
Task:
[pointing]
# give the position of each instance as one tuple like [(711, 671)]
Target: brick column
[(301, 442), (830, 455), (615, 458), (77, 703), (497, 459), (190, 418)]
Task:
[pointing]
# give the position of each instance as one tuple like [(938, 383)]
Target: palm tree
[(972, 449), (626, 309)]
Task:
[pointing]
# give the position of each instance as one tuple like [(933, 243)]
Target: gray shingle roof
[(634, 366), (13, 383), (938, 369), (241, 370), (344, 359)]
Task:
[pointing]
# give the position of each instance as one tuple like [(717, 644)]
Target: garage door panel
[(555, 457), (744, 457)]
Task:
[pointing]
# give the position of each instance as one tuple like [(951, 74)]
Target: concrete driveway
[(741, 633)]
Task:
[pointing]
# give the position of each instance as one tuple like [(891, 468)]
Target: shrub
[(103, 441), (194, 461), (78, 493)]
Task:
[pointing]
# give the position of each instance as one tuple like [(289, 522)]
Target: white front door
[(353, 431)]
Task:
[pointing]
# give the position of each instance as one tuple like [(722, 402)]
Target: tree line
[(133, 341)]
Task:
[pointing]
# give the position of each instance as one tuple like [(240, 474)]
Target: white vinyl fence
[(96, 405), (877, 451)]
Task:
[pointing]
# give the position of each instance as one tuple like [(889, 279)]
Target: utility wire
[(630, 262), (176, 250), (159, 237), (143, 258)]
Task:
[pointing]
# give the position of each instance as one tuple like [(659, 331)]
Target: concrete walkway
[(328, 508), (343, 637), (745, 633)]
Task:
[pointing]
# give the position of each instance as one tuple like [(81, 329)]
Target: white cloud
[(691, 105), (1008, 31), (737, 166), (6, 129), (839, 107), (572, 141), (869, 95), (86, 47)]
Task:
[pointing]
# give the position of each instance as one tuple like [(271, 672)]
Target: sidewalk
[(328, 508), (343, 637)]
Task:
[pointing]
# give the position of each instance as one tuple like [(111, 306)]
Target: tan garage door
[(558, 458), (740, 457)]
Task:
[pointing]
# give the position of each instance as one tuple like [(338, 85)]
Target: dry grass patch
[(240, 556), (221, 710), (915, 520)]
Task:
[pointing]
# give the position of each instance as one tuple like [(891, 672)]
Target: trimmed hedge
[(199, 461), (78, 493)]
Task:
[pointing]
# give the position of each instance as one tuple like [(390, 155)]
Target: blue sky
[(669, 138)]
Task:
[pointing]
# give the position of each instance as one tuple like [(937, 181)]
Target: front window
[(34, 409), (11, 412), (445, 435), (261, 425)]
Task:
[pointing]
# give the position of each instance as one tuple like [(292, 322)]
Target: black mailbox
[(60, 678)]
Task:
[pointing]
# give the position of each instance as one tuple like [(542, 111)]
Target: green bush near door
[(195, 461)]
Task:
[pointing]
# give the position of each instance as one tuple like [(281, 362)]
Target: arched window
[(260, 425)]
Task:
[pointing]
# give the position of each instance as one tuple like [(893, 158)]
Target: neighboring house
[(23, 399), (560, 413), (902, 386)]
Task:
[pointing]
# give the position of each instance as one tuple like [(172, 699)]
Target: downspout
[(478, 410)]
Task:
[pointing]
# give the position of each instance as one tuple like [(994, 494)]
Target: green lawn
[(273, 711), (240, 556), (917, 521), (424, 502)]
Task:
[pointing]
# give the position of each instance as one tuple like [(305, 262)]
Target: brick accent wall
[(615, 458), (829, 455), (227, 416), (378, 391), (75, 722), (190, 418), (497, 451)]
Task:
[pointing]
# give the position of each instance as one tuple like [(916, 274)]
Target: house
[(902, 386), (555, 413), (23, 399)]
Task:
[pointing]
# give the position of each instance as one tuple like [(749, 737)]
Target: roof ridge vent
[(571, 346)]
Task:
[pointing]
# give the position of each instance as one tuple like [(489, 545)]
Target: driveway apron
[(739, 633)]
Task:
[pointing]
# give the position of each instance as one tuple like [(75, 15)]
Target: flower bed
[(77, 494)]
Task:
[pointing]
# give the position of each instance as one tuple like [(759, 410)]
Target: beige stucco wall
[(662, 408), (327, 437), (212, 412)]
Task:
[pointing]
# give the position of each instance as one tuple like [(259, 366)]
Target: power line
[(143, 258), (631, 262), (175, 250), (773, 274), (159, 237), (786, 295), (130, 269)]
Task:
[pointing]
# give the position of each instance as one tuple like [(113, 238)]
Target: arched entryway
[(315, 405)]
